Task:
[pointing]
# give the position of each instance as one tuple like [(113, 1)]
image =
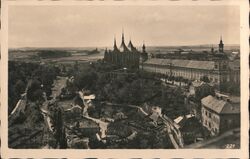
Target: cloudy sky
[(85, 26)]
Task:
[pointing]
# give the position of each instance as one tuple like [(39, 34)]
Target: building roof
[(220, 106), (179, 119), (206, 65), (131, 46), (88, 124), (123, 48), (92, 96), (197, 83)]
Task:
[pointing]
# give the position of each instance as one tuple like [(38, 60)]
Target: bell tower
[(221, 45)]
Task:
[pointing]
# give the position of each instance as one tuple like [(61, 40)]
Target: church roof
[(115, 46), (123, 47), (131, 46)]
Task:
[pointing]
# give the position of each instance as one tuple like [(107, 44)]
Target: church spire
[(123, 47), (122, 35), (114, 41), (115, 47)]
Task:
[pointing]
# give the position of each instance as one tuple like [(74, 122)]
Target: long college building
[(217, 71)]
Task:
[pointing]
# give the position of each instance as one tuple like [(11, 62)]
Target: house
[(190, 128), (87, 127), (198, 90), (219, 115), (155, 113)]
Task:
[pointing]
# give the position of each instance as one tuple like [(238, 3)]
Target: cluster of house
[(84, 128), (216, 112)]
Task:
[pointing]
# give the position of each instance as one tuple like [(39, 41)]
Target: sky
[(96, 26)]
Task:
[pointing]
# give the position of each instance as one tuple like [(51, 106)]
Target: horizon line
[(16, 47)]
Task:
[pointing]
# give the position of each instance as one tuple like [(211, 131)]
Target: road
[(56, 91), (59, 83), (171, 129), (21, 104), (131, 106), (103, 125)]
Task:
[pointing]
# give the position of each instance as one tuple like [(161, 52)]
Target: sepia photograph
[(116, 76)]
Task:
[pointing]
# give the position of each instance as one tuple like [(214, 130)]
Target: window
[(209, 114), (209, 124), (216, 130), (216, 66)]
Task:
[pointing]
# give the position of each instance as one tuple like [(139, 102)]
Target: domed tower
[(221, 45)]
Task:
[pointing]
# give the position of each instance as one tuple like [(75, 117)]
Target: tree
[(205, 79), (230, 87), (19, 87), (86, 80), (76, 66), (34, 91), (203, 91)]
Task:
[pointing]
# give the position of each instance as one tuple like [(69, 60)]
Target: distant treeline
[(53, 53), (95, 51)]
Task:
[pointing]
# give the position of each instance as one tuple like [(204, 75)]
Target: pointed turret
[(122, 36), (131, 46), (115, 46), (123, 47)]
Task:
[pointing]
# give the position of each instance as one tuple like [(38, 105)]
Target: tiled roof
[(207, 65), (220, 106)]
